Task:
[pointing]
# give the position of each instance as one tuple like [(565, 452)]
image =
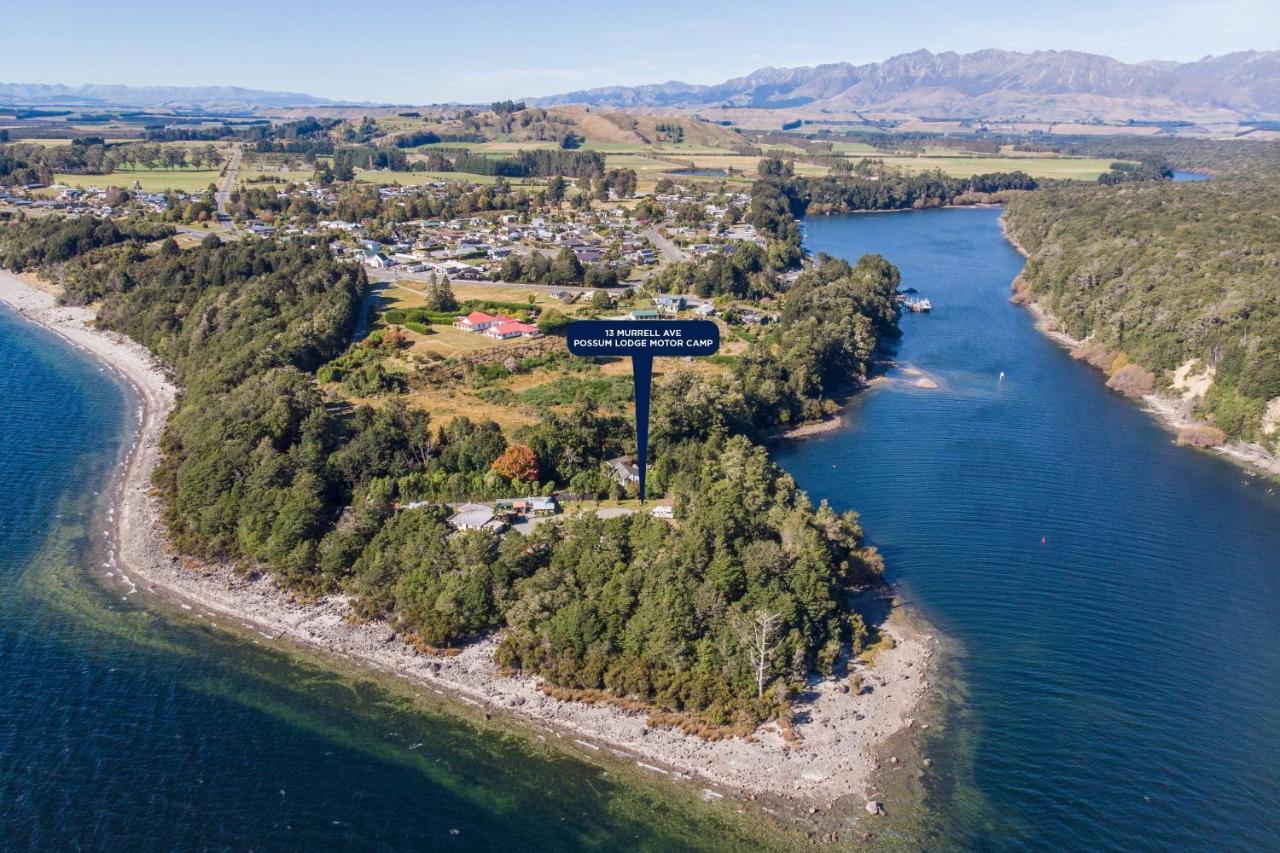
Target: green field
[(853, 148), (496, 147), (152, 180), (407, 179), (278, 177), (1075, 168)]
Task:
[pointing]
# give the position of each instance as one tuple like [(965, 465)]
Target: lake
[(122, 728), (1111, 602)]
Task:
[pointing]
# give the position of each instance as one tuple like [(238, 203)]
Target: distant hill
[(190, 97), (988, 83)]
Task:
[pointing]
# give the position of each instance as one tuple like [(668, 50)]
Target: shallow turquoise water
[(121, 729), (1116, 686)]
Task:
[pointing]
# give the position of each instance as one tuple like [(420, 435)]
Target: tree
[(174, 157), (440, 296), (774, 167), (566, 269), (601, 301), (755, 632), (511, 269), (552, 322), (555, 190), (517, 463)]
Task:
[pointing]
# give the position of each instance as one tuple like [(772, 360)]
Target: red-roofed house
[(512, 329), (476, 321)]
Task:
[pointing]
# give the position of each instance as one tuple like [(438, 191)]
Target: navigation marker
[(642, 340)]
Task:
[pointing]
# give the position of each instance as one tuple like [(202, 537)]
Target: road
[(399, 279), (224, 191), (664, 246)]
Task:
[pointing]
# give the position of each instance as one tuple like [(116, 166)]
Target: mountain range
[(985, 84), (172, 97)]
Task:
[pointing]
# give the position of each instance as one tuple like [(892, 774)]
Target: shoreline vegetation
[(1173, 413), (825, 761)]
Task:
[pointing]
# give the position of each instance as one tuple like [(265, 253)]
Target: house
[(511, 329), (534, 506), (624, 470), (670, 303), (478, 321), (644, 314), (471, 517), (704, 309), (588, 254), (375, 259), (663, 511)]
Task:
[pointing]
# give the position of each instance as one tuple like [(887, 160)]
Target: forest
[(1160, 273), (266, 469), (834, 194)]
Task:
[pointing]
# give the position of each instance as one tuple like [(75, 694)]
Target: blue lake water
[(126, 729), (1113, 687), (1112, 602)]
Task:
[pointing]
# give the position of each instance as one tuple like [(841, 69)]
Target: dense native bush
[(1166, 273)]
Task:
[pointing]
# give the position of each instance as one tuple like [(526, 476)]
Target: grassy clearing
[(152, 180), (445, 404)]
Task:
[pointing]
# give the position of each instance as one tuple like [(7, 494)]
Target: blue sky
[(422, 52)]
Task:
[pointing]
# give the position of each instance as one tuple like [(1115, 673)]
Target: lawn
[(152, 180)]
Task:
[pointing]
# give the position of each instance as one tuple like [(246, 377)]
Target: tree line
[(260, 468), (1157, 274)]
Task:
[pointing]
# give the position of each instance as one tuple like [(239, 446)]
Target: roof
[(514, 327), (471, 515), (478, 317)]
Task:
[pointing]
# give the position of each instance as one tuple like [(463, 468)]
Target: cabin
[(644, 314), (670, 303)]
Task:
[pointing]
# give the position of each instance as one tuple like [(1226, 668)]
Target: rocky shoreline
[(1170, 412), (828, 768)]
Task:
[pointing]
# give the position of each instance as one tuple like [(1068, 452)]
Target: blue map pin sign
[(642, 340)]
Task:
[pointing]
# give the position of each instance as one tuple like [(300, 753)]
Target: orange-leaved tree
[(517, 463)]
